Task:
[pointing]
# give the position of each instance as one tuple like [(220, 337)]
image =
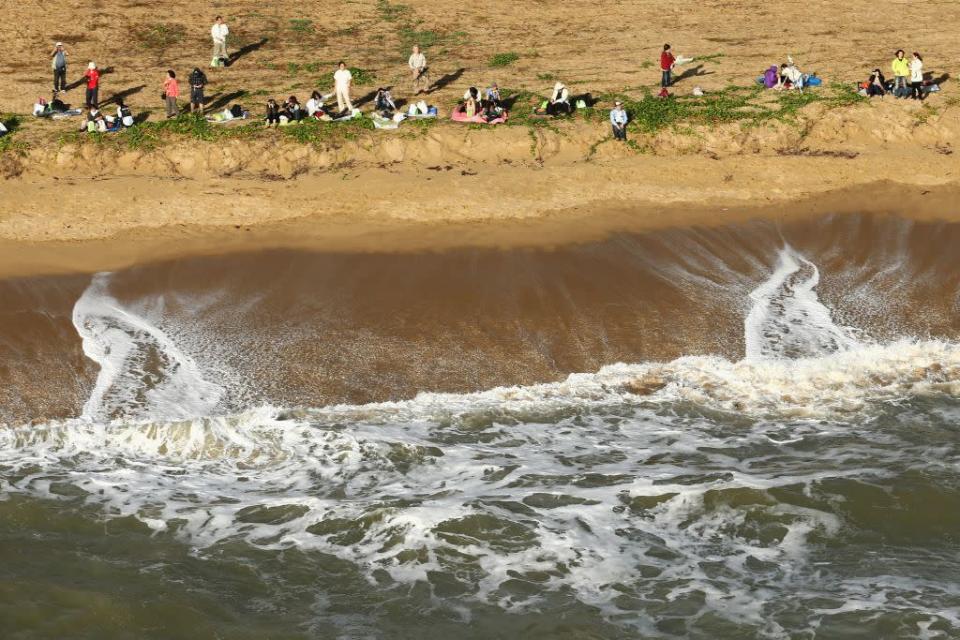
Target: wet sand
[(93, 246)]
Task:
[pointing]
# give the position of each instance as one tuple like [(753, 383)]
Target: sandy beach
[(69, 205)]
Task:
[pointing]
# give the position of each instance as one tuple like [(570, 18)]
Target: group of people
[(907, 82), (476, 106)]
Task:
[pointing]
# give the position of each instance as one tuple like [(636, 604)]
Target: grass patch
[(301, 26), (158, 37), (8, 142), (392, 12), (504, 59), (546, 77), (750, 106)]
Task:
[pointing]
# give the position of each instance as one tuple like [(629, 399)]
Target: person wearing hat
[(92, 74), (618, 120), (59, 64)]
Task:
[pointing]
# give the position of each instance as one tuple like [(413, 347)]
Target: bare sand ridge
[(69, 206)]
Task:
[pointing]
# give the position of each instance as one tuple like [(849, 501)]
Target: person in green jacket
[(901, 71)]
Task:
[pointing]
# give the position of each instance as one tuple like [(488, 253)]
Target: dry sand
[(78, 208)]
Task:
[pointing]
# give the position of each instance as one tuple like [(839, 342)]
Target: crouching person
[(618, 121)]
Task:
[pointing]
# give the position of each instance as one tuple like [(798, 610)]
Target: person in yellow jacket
[(901, 71)]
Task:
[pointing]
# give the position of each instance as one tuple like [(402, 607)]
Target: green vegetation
[(504, 59), (151, 135), (301, 25), (8, 141), (546, 77), (158, 37), (392, 12), (749, 105)]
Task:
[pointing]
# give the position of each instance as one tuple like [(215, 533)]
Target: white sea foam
[(580, 485), (143, 373)]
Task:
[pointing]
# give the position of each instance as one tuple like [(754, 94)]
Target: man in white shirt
[(341, 81), (418, 68), (219, 33)]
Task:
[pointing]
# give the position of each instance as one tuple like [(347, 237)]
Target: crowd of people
[(485, 107)]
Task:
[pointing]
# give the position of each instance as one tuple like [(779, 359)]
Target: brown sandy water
[(299, 328), (258, 444)]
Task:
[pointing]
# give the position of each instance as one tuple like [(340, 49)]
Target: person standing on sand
[(92, 74), (618, 121), (59, 64), (916, 77), (901, 71), (198, 80), (342, 79), (171, 91), (418, 69), (667, 62), (219, 33)]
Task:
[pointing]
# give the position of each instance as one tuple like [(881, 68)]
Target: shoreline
[(86, 208), (123, 245)]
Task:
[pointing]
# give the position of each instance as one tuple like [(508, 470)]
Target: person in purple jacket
[(770, 77)]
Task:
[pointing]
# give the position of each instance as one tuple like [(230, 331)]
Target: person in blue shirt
[(618, 120)]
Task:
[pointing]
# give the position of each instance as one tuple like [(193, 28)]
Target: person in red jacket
[(93, 85), (667, 61)]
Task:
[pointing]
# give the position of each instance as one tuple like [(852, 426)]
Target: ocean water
[(806, 487)]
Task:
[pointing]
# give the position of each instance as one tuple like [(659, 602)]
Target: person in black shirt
[(198, 80)]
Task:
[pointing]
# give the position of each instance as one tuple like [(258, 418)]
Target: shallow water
[(793, 471)]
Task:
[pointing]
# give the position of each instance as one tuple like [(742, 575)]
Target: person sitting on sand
[(385, 105), (618, 121), (418, 70), (171, 91), (493, 95), (790, 76), (41, 108), (124, 115), (342, 80), (472, 92), (771, 77), (273, 113), (559, 100), (491, 111), (877, 84), (91, 122), (292, 110)]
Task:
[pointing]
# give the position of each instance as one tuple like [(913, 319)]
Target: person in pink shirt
[(171, 91)]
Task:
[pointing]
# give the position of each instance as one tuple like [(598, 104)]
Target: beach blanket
[(460, 116)]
